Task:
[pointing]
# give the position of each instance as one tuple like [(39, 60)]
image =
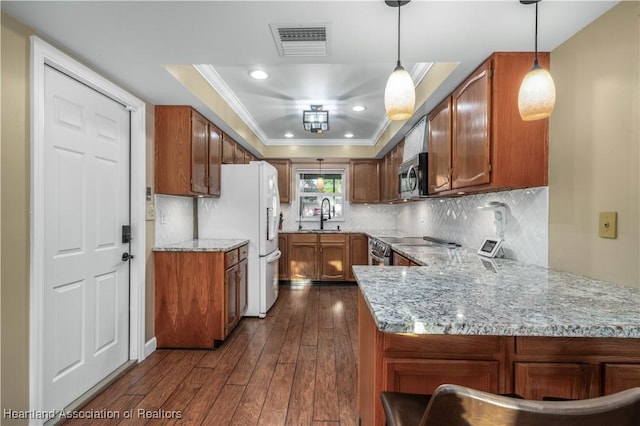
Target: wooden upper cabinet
[(215, 159), (228, 150), (439, 157), (491, 147), (471, 129), (284, 178), (364, 181), (240, 154), (199, 153), (389, 173), (182, 152)]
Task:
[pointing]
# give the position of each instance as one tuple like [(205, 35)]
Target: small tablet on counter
[(490, 247)]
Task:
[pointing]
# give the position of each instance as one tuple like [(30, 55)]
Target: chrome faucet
[(322, 219)]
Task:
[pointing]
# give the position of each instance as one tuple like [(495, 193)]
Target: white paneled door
[(86, 203)]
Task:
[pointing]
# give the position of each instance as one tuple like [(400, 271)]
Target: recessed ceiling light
[(359, 108), (259, 74), (288, 135), (348, 135)]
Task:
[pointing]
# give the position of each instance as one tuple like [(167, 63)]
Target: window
[(314, 187)]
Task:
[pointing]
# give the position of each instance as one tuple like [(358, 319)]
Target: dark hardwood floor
[(295, 367)]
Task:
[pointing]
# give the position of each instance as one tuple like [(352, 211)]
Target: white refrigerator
[(248, 208)]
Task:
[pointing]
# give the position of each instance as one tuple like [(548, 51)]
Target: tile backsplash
[(454, 219), (461, 220), (357, 217), (174, 219)]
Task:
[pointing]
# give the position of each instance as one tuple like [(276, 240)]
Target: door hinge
[(490, 168)]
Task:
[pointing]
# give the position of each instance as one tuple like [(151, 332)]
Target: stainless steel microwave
[(413, 177)]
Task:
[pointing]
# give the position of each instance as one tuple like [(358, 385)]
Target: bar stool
[(453, 405)]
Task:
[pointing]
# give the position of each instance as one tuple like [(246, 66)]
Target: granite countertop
[(203, 245), (459, 292)]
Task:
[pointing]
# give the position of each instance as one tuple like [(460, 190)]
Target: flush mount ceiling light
[(320, 180), (399, 93), (259, 74), (315, 120), (348, 135), (359, 108), (288, 135), (537, 95)]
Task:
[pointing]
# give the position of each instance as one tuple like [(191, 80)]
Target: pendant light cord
[(399, 6), (535, 60)]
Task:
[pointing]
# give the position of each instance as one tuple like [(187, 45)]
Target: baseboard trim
[(150, 347)]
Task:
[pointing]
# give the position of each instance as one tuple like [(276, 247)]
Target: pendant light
[(320, 180), (537, 94), (399, 93)]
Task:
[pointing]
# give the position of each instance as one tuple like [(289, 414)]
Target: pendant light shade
[(537, 95), (320, 180), (399, 93)]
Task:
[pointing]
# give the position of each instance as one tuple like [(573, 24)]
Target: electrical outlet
[(608, 227), (151, 212)]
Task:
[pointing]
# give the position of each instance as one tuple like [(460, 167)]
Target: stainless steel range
[(380, 247)]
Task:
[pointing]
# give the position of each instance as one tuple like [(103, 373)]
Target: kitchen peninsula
[(491, 324)]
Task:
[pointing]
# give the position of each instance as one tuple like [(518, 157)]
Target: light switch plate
[(608, 227), (151, 212)]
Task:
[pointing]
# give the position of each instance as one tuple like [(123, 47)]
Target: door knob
[(126, 256)]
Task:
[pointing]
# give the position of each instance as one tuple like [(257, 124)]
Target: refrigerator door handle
[(268, 223), (274, 256)]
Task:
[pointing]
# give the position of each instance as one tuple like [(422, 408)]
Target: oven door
[(377, 259)]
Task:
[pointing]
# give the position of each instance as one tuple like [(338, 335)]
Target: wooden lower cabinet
[(533, 367), (232, 316), (358, 253), (618, 377), (303, 255), (199, 296), (283, 262), (536, 380), (333, 257), (400, 260), (323, 256)]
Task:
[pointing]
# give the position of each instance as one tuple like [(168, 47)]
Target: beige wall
[(593, 148), (14, 189)]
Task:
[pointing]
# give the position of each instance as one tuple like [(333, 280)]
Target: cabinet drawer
[(243, 252), (424, 376), (558, 346), (230, 258), (304, 238), (333, 238), (442, 346)]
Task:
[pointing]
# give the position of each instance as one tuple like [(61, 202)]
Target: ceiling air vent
[(301, 40)]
